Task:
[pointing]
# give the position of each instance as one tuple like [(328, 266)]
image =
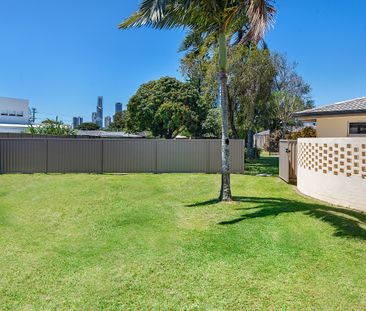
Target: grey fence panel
[(74, 156), (182, 156), (23, 156), (215, 156), (70, 155), (237, 156), (129, 156)]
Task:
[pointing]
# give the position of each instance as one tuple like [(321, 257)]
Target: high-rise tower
[(107, 122), (99, 116), (76, 121), (118, 107)]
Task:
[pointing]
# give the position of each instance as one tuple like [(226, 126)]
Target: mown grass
[(142, 242), (266, 164)]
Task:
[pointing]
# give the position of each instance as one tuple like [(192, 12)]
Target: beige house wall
[(336, 126), (333, 170)]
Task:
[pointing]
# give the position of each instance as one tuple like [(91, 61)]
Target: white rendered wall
[(333, 170), (12, 105)]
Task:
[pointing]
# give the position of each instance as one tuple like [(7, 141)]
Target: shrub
[(253, 153), (306, 132)]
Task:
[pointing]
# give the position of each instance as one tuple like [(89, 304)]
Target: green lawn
[(142, 242), (265, 165)]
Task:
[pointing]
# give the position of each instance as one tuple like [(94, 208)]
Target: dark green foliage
[(212, 124), (252, 153), (166, 107), (306, 132), (88, 126), (252, 78), (119, 122)]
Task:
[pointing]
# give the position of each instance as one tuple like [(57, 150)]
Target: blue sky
[(62, 54)]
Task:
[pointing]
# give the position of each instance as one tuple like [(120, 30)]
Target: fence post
[(156, 156), (102, 157), (47, 153), (208, 167), (1, 156)]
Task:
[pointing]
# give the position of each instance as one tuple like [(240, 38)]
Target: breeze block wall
[(333, 170)]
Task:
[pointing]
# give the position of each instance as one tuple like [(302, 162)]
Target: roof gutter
[(329, 113)]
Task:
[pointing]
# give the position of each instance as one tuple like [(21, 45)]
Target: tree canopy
[(119, 122), (166, 107), (264, 87)]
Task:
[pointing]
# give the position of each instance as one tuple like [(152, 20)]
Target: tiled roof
[(353, 106), (108, 134)]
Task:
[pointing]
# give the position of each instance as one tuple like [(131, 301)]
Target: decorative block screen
[(336, 158)]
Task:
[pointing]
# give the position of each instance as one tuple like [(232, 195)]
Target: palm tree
[(221, 18)]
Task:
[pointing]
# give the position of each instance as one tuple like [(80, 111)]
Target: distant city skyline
[(97, 116)]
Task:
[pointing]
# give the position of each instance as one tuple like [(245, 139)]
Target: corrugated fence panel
[(116, 156), (182, 156), (130, 155), (23, 156), (215, 156), (74, 156), (236, 156)]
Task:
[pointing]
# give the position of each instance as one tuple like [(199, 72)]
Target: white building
[(14, 115)]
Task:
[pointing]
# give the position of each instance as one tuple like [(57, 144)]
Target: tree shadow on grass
[(347, 222)]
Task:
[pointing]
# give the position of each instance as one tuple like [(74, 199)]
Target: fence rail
[(74, 155)]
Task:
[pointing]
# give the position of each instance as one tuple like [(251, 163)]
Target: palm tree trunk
[(225, 193), (234, 132)]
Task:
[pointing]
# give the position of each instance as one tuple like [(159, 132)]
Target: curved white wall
[(333, 170)]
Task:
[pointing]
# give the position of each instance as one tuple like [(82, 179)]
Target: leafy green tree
[(119, 122), (172, 118), (52, 127), (222, 19), (166, 107), (251, 83), (291, 93), (212, 124), (88, 126)]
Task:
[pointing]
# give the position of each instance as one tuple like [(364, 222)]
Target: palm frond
[(261, 17), (206, 16), (160, 14)]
